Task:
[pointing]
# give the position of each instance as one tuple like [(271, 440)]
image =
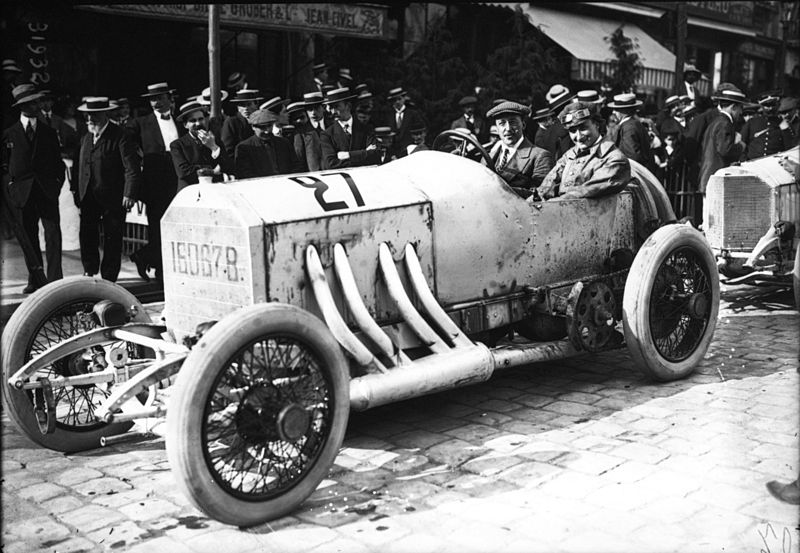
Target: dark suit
[(555, 139), (189, 155), (159, 181), (411, 118), (479, 127), (234, 129), (633, 141), (33, 174), (719, 148), (763, 137), (67, 136), (255, 158), (527, 168), (308, 147), (107, 170), (334, 140)]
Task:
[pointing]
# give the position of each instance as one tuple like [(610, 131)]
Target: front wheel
[(258, 415), (671, 302), (54, 313)]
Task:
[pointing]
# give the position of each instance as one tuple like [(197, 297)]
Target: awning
[(583, 37)]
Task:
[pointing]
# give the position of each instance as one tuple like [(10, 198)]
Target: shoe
[(29, 289), (141, 266), (788, 493)]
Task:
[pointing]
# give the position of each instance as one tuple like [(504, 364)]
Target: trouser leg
[(88, 235), (113, 228), (51, 221)]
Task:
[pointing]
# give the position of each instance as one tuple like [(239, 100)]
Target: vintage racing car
[(292, 299), (754, 221)]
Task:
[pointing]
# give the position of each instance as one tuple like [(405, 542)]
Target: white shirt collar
[(97, 137), (621, 121), (401, 110), (347, 124), (513, 149), (24, 119), (727, 114)]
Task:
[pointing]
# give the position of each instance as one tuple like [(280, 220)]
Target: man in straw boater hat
[(12, 76), (33, 174), (236, 82), (521, 164), (631, 136), (721, 144), (320, 75), (592, 167), (384, 139), (264, 154), (108, 183), (214, 123), (236, 127), (307, 144), (403, 118), (347, 142), (198, 148), (555, 138), (154, 132), (691, 75)]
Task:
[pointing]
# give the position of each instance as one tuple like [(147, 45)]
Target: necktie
[(165, 116), (399, 119), (29, 132), (504, 159), (347, 131), (47, 119)]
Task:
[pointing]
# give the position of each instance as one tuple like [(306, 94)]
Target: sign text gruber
[(343, 19)]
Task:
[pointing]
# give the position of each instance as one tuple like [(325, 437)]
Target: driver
[(516, 159), (592, 167)]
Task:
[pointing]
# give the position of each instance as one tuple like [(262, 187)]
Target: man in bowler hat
[(33, 174)]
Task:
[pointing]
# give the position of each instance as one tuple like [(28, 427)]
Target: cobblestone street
[(576, 455)]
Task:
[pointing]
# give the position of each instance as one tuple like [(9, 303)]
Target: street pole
[(680, 46), (213, 59)]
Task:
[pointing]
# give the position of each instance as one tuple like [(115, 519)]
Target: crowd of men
[(578, 145)]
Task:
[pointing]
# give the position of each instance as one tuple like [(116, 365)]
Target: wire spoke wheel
[(56, 312), (259, 446), (679, 304), (258, 414), (671, 301)]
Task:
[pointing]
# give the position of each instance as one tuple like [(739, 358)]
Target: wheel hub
[(293, 422), (697, 306), (590, 315)]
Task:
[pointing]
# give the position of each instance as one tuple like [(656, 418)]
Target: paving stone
[(490, 465), (570, 408), (61, 504), (342, 545), (41, 492), (475, 434), (119, 536), (590, 462), (418, 439), (641, 452), (166, 544), (453, 452), (90, 517), (37, 529), (75, 475), (529, 474), (148, 510), (20, 480), (490, 418)]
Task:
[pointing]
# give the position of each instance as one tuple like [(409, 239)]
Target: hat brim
[(623, 107), (342, 99), (150, 94), (558, 104), (246, 100), (743, 101), (27, 99), (111, 106), (223, 96)]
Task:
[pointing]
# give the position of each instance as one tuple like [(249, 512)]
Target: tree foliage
[(627, 66)]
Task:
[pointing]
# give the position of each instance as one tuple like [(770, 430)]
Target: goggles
[(574, 116)]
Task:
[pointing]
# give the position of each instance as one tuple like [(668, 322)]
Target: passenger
[(522, 165), (592, 167)]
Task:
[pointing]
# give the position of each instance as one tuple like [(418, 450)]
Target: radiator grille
[(740, 209)]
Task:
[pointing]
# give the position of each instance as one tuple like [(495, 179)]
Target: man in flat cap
[(33, 175), (237, 127), (347, 142), (307, 144), (592, 167), (521, 164), (555, 138), (264, 154), (403, 118), (109, 179), (471, 120), (154, 132), (762, 133), (198, 148)]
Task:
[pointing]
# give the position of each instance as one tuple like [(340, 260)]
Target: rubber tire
[(17, 335), (194, 384), (636, 301)]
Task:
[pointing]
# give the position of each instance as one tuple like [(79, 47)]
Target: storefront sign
[(363, 21), (758, 50), (738, 13)]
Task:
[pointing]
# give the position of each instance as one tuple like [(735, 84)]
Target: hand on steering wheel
[(464, 139)]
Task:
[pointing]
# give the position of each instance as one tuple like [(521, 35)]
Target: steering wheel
[(462, 139)]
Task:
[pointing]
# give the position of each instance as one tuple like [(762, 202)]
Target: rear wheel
[(58, 311), (671, 302), (258, 415)]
